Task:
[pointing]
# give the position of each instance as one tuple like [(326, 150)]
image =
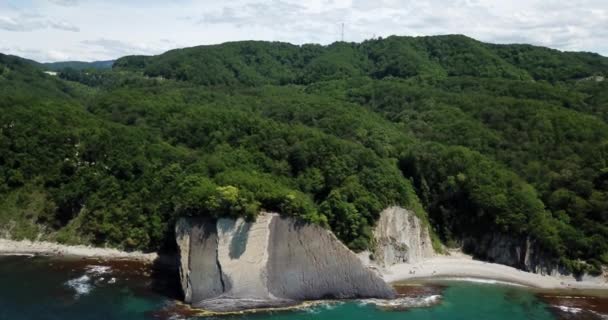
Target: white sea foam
[(481, 280), (569, 309), (575, 310), (83, 285), (404, 302), (318, 307), (98, 270), (328, 306), (30, 255), (432, 299)]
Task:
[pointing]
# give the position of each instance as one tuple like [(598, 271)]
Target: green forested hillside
[(439, 57), (477, 138)]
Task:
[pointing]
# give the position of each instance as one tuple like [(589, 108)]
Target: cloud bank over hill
[(52, 30)]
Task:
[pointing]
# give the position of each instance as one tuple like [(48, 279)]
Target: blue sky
[(55, 30)]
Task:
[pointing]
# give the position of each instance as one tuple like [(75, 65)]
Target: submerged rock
[(232, 264)]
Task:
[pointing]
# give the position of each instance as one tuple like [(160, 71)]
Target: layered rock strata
[(400, 237), (232, 264)]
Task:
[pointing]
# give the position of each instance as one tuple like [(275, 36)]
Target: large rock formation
[(231, 264), (400, 237)]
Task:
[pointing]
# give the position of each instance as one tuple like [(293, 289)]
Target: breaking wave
[(403, 302), (81, 285), (569, 309), (575, 310), (482, 281), (98, 270), (321, 306), (29, 255), (84, 284)]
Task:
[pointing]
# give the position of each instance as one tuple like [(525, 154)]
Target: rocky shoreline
[(454, 266), (44, 248), (277, 262)]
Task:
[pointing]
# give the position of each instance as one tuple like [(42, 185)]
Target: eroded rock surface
[(400, 237), (232, 264), (521, 253), (307, 262)]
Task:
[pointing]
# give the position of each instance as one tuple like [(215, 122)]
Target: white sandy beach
[(26, 247), (461, 266)]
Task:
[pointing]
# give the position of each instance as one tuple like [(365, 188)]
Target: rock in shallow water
[(231, 264)]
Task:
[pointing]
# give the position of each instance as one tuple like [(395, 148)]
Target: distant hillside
[(78, 65), (439, 57)]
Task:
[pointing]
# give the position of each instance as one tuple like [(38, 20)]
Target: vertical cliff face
[(521, 253), (182, 238), (203, 244), (308, 262), (400, 237), (231, 264), (197, 241)]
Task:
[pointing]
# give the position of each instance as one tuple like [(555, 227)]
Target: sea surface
[(69, 289)]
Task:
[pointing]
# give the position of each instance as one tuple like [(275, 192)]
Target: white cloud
[(55, 55), (67, 3), (17, 24), (32, 22), (37, 55), (118, 48), (63, 25), (112, 28)]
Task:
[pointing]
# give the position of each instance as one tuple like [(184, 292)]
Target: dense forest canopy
[(476, 138)]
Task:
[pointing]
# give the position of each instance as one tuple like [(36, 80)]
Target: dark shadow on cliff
[(164, 271), (164, 276)]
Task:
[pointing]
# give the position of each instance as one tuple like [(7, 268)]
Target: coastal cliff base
[(233, 264)]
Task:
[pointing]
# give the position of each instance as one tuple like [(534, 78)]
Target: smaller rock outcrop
[(518, 252), (400, 237)]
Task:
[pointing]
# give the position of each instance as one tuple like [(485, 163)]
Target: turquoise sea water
[(460, 301), (49, 289)]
